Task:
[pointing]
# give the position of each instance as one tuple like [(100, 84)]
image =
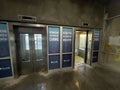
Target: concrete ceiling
[(103, 1)]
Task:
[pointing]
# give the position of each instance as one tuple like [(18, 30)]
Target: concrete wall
[(114, 8), (65, 12), (111, 41)]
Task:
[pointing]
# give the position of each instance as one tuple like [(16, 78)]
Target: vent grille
[(27, 18)]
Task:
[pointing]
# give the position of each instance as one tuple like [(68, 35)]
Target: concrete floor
[(78, 60), (82, 78)]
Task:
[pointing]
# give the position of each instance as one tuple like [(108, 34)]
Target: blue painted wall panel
[(5, 68), (95, 57), (54, 62), (67, 39), (5, 64), (67, 60), (54, 46), (54, 39), (96, 45), (96, 41), (4, 45)]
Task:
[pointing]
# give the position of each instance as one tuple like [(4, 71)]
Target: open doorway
[(80, 47), (83, 47)]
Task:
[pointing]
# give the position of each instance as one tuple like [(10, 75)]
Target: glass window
[(38, 46), (38, 41), (24, 46)]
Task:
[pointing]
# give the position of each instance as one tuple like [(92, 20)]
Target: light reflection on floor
[(78, 60), (83, 78)]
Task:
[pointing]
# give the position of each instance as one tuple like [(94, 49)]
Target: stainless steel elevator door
[(30, 51), (89, 47)]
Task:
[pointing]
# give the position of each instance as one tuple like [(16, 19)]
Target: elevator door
[(30, 50), (89, 47)]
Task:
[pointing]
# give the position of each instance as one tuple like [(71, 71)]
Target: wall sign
[(66, 60), (4, 45), (96, 40), (54, 61), (95, 57), (67, 39), (54, 39), (67, 35), (5, 64), (5, 68), (54, 47)]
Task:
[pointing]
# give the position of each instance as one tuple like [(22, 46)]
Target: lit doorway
[(83, 47), (80, 47)]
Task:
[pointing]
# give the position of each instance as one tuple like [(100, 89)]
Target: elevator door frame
[(86, 48), (12, 41), (32, 65)]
